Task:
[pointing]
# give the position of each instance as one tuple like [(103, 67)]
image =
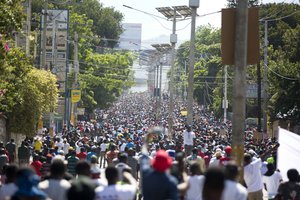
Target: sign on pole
[(228, 36), (75, 95)]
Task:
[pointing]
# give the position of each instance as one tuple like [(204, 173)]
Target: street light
[(173, 14), (162, 49)]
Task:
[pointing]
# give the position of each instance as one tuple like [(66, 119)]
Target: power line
[(270, 14), (281, 76), (280, 18)]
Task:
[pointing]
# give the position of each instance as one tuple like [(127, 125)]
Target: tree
[(106, 21), (251, 3), (284, 60), (29, 93), (11, 16), (207, 63), (104, 78)]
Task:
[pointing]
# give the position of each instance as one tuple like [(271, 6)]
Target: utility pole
[(184, 86), (194, 4), (76, 71), (259, 97), (28, 27), (160, 82), (44, 36), (173, 40), (239, 86), (265, 127), (225, 93)]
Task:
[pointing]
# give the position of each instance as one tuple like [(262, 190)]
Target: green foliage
[(11, 16), (29, 92), (233, 3), (106, 21), (284, 60), (104, 78), (207, 63)]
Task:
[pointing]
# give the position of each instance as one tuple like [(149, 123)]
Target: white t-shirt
[(55, 189), (195, 189), (188, 138), (252, 176), (7, 190), (103, 147), (60, 145), (122, 148), (115, 192), (272, 183), (234, 190), (66, 148)]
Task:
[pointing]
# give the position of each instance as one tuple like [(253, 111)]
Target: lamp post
[(173, 14), (162, 49), (194, 4)]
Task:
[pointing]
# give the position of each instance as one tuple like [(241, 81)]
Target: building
[(131, 38)]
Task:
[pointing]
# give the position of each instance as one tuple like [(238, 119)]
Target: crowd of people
[(123, 155)]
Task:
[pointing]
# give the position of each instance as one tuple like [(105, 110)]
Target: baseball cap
[(228, 149), (162, 161)]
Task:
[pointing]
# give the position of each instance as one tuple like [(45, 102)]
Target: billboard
[(56, 44)]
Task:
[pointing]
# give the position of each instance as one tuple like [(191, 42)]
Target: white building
[(131, 38)]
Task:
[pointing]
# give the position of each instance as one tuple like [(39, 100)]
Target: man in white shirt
[(233, 189), (253, 178), (102, 153), (188, 140), (66, 147), (56, 187), (115, 191)]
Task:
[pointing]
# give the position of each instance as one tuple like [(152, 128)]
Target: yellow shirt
[(38, 145)]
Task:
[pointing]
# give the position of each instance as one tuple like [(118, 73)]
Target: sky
[(155, 27)]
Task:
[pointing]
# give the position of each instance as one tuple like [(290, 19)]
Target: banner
[(288, 152), (75, 96), (183, 113)]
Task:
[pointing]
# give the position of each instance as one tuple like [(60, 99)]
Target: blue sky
[(152, 28)]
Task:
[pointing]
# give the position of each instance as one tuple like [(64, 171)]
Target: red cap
[(228, 149), (162, 161)]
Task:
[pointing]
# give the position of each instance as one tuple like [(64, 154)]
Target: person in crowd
[(194, 157), (45, 169), (114, 190), (215, 161), (102, 153), (23, 154), (82, 155), (290, 189), (188, 140), (233, 189), (227, 157), (37, 145), (132, 162), (122, 165), (83, 168), (213, 184), (156, 179), (11, 149), (271, 180), (56, 186), (36, 164), (81, 188), (10, 187), (72, 162), (3, 159), (111, 154), (252, 174), (193, 187), (27, 181)]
